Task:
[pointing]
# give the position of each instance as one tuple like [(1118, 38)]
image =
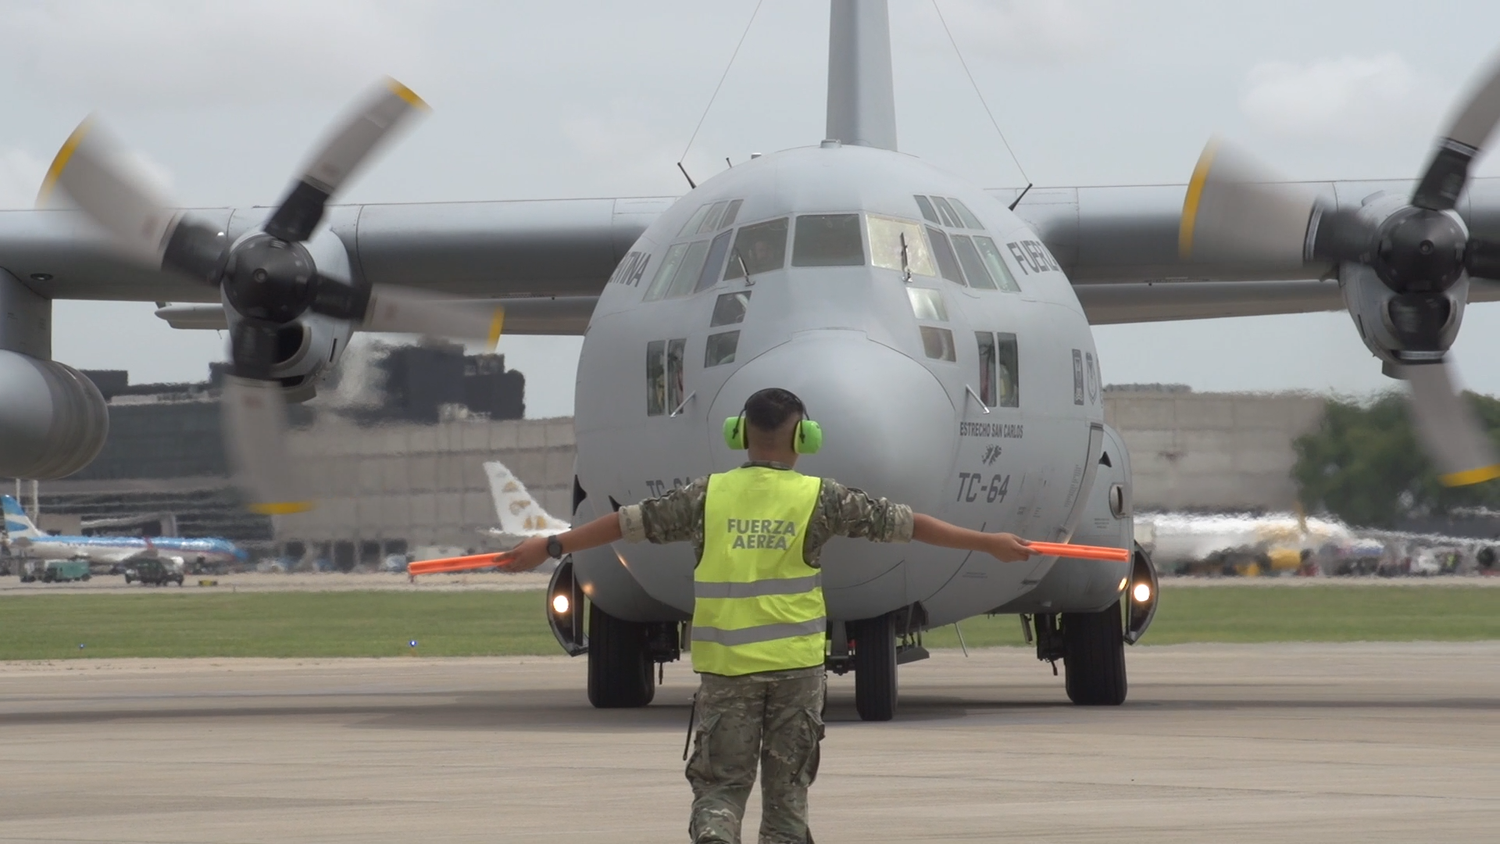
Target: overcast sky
[(571, 99)]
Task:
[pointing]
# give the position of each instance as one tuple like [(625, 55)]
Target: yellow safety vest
[(758, 606)]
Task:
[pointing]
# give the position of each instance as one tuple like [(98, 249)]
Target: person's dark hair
[(769, 409)]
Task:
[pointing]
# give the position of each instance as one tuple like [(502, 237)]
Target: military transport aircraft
[(939, 332)]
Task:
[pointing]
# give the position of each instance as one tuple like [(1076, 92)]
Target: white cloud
[(1347, 98), (139, 53), (1031, 31)]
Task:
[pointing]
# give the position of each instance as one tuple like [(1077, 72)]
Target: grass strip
[(366, 624)]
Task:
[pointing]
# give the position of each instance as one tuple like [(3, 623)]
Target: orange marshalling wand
[(1081, 552), (477, 561)]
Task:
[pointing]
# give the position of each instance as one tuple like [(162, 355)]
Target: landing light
[(1141, 592), (560, 603)]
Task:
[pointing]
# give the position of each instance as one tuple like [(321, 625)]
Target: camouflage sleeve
[(845, 511), (674, 517)]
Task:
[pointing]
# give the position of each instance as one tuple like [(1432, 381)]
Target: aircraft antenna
[(993, 121), (715, 94)]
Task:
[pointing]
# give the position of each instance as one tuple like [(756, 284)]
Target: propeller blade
[(254, 415), (1236, 209), (371, 122), (93, 170), (407, 311), (1466, 136), (1447, 427)]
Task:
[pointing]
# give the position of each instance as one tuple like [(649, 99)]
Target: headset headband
[(806, 439)]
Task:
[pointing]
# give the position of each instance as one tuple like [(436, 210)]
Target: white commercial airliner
[(939, 332), (28, 540)]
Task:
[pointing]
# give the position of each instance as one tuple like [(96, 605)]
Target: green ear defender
[(806, 439)]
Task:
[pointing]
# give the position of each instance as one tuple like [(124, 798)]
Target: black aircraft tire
[(1094, 663), (620, 675), (875, 690)]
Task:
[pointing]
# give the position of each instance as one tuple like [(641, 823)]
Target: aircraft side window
[(937, 343), (730, 308), (828, 240), (928, 213), (761, 248), (730, 213), (987, 364), (965, 214), (676, 352), (927, 304), (890, 238), (665, 272), (1009, 370), (656, 377), (687, 273), (711, 220), (950, 217), (997, 266), (720, 348), (690, 228), (979, 277), (716, 252), (947, 262)]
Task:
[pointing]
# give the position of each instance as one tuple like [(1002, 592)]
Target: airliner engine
[(53, 420)]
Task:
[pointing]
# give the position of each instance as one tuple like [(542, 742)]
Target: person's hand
[(1009, 548), (527, 556)]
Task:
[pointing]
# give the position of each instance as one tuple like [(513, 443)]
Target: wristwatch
[(554, 547)]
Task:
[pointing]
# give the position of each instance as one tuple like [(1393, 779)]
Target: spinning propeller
[(1236, 210), (269, 276)]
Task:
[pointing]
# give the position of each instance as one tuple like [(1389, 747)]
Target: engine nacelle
[(53, 420), (308, 344)]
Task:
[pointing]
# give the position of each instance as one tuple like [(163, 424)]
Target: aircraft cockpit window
[(927, 304), (730, 308), (950, 217), (928, 212), (759, 248), (716, 252), (690, 228), (664, 273), (711, 220), (996, 264), (656, 377), (898, 245), (966, 215), (730, 213), (687, 272), (999, 379), (720, 348), (943, 252), (937, 343), (828, 240), (676, 353), (973, 265)]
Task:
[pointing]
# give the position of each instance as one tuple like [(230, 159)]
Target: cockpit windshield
[(828, 240)]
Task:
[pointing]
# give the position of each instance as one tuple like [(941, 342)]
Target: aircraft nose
[(888, 425)]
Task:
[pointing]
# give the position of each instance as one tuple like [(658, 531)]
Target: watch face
[(554, 547)]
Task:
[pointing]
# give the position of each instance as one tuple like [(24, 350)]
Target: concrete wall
[(1211, 451), (424, 484)]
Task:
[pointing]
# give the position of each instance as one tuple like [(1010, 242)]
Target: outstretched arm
[(1005, 547), (533, 552)]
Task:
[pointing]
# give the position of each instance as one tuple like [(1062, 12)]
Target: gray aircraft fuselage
[(890, 366)]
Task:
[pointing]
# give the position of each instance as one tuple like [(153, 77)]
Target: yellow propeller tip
[(281, 508), (1194, 197), (60, 162), (497, 325), (1471, 476), (406, 94)]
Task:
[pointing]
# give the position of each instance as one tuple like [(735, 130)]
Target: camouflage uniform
[(775, 718)]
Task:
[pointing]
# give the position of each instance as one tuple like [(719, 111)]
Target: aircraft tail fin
[(520, 515), (17, 523)]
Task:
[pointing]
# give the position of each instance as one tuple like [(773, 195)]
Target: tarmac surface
[(1325, 743)]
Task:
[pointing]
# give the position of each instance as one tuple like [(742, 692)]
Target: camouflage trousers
[(774, 719)]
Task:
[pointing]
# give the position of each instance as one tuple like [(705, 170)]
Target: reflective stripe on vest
[(758, 606)]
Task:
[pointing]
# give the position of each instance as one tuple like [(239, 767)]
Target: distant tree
[(1364, 465)]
